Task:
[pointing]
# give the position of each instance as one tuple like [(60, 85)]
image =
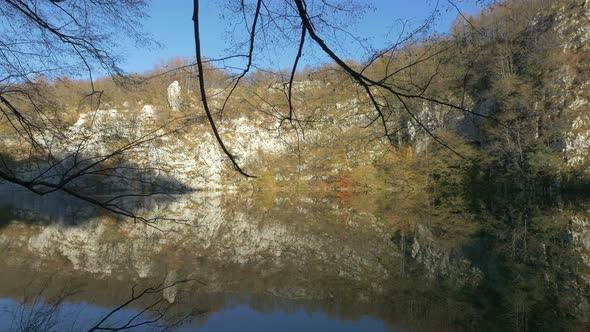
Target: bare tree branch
[(231, 157)]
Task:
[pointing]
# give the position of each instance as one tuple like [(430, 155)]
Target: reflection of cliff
[(579, 240), (435, 244), (437, 260), (579, 229), (299, 254), (534, 271), (234, 247), (212, 232)]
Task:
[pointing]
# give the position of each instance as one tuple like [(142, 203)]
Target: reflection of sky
[(70, 317), (81, 316), (242, 318)]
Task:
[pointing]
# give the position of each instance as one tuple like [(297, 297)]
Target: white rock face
[(578, 141), (174, 99), (197, 160), (193, 159), (147, 112), (572, 25)]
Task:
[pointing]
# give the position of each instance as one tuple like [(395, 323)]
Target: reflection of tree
[(39, 311), (493, 264), (157, 312), (531, 268), (415, 261), (42, 308)]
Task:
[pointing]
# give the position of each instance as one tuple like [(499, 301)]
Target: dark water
[(253, 263)]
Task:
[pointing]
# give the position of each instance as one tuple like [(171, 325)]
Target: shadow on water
[(22, 205), (386, 262), (96, 186)]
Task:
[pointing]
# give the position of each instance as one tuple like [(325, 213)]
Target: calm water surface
[(254, 263)]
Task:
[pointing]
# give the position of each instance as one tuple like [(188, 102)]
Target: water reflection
[(368, 263)]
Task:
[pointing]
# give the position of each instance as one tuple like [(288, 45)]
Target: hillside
[(518, 72)]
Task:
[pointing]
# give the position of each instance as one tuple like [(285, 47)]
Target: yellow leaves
[(266, 188), (388, 170)]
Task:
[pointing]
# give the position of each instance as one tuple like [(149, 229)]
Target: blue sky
[(170, 23)]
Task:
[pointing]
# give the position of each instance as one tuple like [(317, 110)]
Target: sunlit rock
[(174, 98), (171, 286)]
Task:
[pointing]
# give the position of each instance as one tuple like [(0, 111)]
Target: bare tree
[(44, 40), (302, 23)]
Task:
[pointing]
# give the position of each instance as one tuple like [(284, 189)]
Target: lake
[(249, 262)]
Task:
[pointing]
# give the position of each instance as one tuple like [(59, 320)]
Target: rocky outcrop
[(577, 147), (572, 89), (174, 98), (192, 159), (573, 25)]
